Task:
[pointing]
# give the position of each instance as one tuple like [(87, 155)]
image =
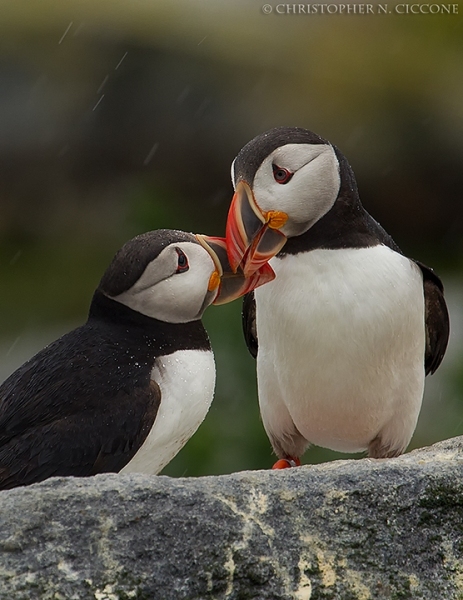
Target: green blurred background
[(121, 116)]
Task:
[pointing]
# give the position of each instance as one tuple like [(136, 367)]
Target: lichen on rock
[(357, 529)]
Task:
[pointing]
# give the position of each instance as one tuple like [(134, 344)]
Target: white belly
[(341, 347), (187, 381)]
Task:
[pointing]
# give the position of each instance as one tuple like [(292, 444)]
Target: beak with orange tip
[(252, 235), (230, 284)]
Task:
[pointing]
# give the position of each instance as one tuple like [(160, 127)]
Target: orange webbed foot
[(287, 463)]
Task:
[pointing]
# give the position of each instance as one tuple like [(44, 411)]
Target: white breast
[(341, 347), (187, 381)]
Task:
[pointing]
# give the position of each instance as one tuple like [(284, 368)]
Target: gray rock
[(357, 529)]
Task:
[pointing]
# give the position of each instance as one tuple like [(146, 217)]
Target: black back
[(85, 403)]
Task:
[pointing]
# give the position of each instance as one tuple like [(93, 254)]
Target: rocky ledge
[(357, 529)]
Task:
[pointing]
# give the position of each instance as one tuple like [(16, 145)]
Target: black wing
[(249, 323), (57, 418), (102, 440), (436, 319)]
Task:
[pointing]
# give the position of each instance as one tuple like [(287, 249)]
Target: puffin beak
[(252, 235), (230, 284)]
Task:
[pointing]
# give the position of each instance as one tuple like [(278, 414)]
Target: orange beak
[(252, 235), (231, 284)]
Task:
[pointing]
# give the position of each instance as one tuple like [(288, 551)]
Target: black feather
[(436, 319), (249, 323), (85, 403)]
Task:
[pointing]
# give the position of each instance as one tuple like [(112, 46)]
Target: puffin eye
[(281, 175), (182, 261)]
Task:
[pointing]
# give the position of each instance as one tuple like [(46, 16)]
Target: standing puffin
[(347, 331), (126, 390)]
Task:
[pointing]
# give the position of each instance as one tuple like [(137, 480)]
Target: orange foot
[(286, 463)]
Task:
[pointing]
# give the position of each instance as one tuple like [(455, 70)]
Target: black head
[(163, 274), (297, 172), (253, 154), (294, 192), (131, 260)]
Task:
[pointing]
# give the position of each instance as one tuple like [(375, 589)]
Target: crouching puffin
[(126, 390), (347, 331)]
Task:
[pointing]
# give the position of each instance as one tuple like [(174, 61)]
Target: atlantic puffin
[(346, 332), (126, 390)]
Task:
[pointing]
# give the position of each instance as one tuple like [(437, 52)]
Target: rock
[(356, 529)]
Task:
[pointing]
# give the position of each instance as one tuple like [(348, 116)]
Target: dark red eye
[(281, 175), (182, 261)]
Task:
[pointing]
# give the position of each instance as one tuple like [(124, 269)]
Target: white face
[(169, 292), (311, 191)]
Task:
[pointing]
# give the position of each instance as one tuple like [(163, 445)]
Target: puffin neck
[(169, 337), (341, 227), (346, 225)]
